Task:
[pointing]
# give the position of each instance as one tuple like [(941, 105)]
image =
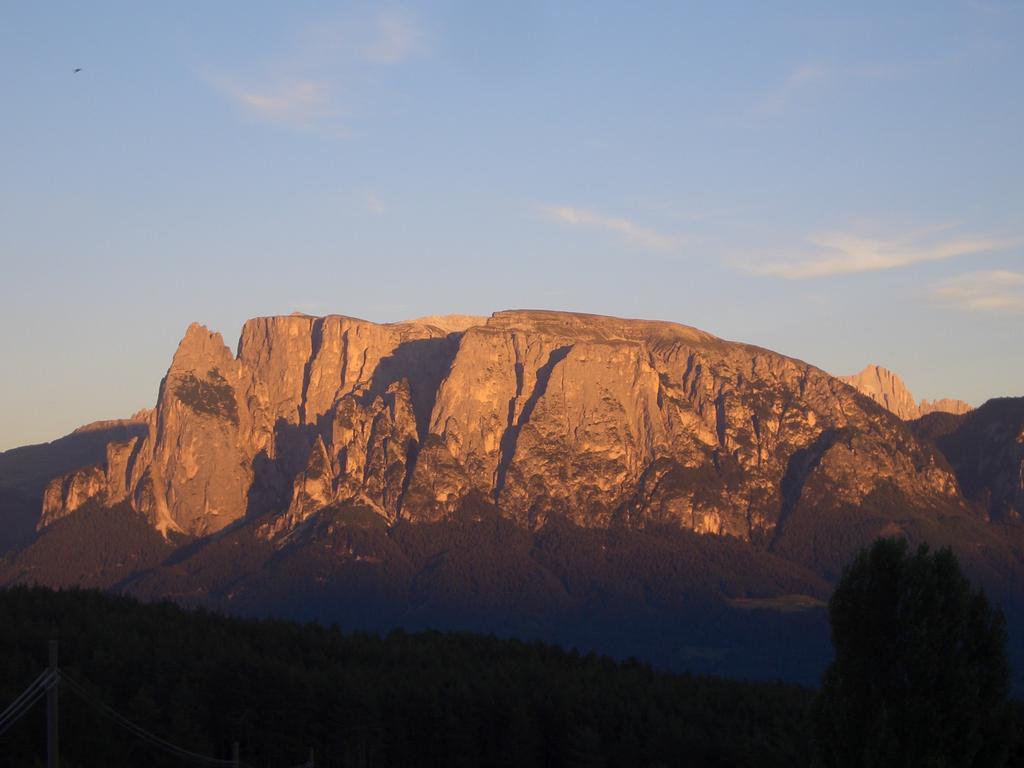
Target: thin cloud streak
[(638, 235), (844, 253), (810, 77), (797, 80), (301, 89), (805, 75), (300, 102), (992, 291)]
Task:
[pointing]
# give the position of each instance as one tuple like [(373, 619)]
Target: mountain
[(599, 420), (641, 487), (888, 390)]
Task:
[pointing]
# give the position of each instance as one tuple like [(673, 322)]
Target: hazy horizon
[(843, 186)]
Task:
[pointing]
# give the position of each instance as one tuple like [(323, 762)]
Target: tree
[(921, 676)]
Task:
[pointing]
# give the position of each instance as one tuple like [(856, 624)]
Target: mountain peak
[(201, 350), (888, 390)]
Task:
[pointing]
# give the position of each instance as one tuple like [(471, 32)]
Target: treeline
[(203, 681)]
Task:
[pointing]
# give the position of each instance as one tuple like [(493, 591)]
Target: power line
[(138, 730), (35, 691), (53, 677), (41, 680)]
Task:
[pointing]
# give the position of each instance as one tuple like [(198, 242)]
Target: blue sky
[(843, 185)]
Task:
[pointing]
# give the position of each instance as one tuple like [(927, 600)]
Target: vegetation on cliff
[(211, 395)]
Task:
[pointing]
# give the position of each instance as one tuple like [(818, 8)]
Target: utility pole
[(235, 761), (52, 733), (311, 763)]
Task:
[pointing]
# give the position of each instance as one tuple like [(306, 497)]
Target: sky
[(842, 183)]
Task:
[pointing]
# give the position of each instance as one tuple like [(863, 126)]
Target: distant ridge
[(888, 390), (139, 417)]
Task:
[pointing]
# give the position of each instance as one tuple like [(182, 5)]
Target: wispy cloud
[(644, 237), (985, 6), (301, 88), (299, 102), (806, 75), (808, 79), (844, 253), (798, 79), (375, 205), (397, 36), (993, 291)]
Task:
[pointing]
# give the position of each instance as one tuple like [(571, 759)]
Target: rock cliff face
[(601, 421), (888, 390)]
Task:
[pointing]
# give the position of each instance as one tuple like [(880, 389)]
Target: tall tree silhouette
[(921, 675)]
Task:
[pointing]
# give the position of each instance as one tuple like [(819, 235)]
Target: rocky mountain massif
[(598, 420), (888, 390), (643, 487)]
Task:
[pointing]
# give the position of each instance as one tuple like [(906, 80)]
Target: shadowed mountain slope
[(986, 450), (26, 472)]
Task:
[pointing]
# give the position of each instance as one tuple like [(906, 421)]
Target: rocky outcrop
[(597, 420), (107, 484), (888, 390), (63, 495), (943, 405)]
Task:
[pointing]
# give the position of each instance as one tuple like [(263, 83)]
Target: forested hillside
[(203, 681)]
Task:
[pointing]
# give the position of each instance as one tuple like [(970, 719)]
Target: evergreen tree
[(921, 676)]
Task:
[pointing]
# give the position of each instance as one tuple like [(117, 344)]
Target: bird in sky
[(78, 69)]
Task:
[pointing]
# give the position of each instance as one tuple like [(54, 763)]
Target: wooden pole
[(52, 732)]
